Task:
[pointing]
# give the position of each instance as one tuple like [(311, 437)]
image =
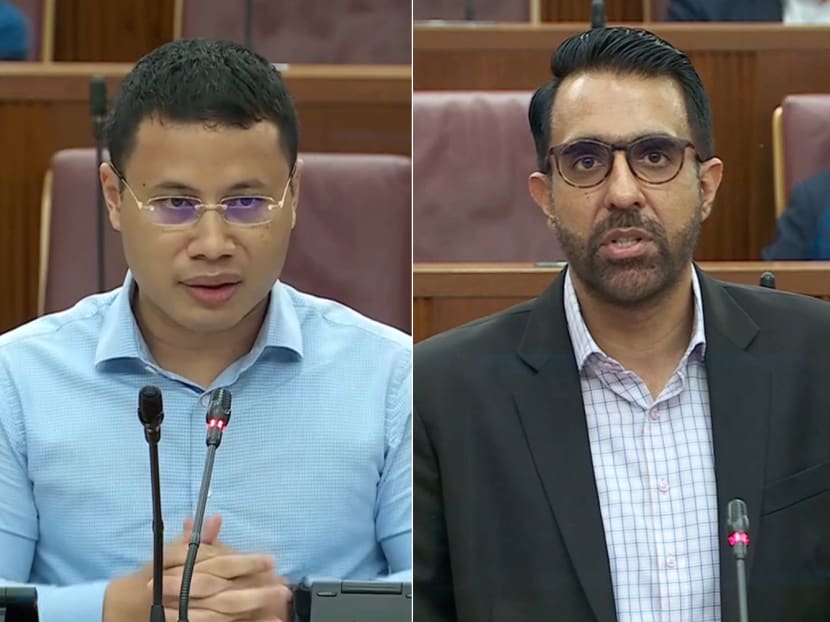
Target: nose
[(623, 189), (210, 240)]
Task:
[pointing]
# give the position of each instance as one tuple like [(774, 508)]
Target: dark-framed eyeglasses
[(181, 211), (587, 162)]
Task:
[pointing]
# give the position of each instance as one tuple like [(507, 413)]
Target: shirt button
[(671, 562), (654, 413), (664, 485)]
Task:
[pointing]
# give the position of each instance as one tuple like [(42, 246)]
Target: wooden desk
[(747, 71), (44, 108), (448, 295)]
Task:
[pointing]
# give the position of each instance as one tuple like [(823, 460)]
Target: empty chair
[(351, 242), (482, 10), (307, 31), (801, 142), (472, 155)]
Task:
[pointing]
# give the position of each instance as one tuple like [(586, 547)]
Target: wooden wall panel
[(747, 71), (44, 109), (448, 295), (580, 11), (110, 30)]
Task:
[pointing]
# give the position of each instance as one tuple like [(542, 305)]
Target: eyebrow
[(624, 139), (186, 189)]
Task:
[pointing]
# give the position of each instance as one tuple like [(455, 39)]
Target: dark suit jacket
[(507, 519), (803, 231), (726, 11)]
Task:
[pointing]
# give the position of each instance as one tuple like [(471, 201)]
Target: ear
[(111, 187), (539, 186), (710, 175), (295, 190)]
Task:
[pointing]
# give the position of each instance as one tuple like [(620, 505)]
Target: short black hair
[(218, 83), (624, 51)]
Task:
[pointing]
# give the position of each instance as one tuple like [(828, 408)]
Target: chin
[(631, 285)]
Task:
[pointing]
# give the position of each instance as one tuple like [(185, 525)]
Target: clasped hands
[(227, 586)]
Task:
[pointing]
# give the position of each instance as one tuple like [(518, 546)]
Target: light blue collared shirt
[(315, 467)]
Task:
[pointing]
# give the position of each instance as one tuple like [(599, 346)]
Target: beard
[(637, 281)]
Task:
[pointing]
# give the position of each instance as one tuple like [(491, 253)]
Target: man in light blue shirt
[(313, 476)]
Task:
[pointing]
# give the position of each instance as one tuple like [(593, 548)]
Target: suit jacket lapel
[(549, 403), (739, 385)]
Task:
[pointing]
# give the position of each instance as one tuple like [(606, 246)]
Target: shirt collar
[(584, 345), (120, 337)]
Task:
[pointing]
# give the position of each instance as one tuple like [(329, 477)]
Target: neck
[(652, 337), (194, 355)]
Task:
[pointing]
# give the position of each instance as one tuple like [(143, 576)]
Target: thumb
[(210, 529)]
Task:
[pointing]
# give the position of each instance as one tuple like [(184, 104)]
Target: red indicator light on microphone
[(216, 423), (739, 537)]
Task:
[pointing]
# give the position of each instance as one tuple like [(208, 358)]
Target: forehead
[(617, 107), (188, 149)]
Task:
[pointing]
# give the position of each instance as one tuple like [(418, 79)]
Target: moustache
[(626, 220)]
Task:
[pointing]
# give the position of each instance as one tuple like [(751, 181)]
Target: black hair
[(218, 83), (621, 50)]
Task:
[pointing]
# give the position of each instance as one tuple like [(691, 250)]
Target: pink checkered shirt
[(655, 476)]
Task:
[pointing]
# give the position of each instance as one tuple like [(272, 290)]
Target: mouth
[(624, 244), (212, 293)]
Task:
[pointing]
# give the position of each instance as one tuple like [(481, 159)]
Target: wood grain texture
[(355, 109), (580, 11), (746, 69), (110, 31), (448, 295)]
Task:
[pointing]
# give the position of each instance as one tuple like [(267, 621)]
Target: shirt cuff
[(74, 603)]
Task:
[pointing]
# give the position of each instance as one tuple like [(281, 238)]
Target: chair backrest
[(472, 155), (307, 31), (658, 10), (351, 242), (483, 10), (805, 128)]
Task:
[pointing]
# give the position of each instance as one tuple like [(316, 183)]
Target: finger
[(236, 565), (210, 528), (264, 601), (201, 615), (176, 554), (205, 585)]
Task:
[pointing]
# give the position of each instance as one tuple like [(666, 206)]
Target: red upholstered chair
[(801, 142), (351, 243), (472, 155), (307, 31), (484, 10), (658, 10)]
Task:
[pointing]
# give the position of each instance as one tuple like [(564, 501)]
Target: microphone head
[(150, 409), (737, 517), (768, 280), (220, 407), (98, 96)]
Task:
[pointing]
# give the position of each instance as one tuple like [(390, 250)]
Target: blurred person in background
[(786, 11), (803, 230), (14, 33)]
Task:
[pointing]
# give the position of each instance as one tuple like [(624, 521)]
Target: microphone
[(469, 10), (151, 414), (249, 13), (98, 111), (18, 604), (598, 14), (768, 280), (737, 521), (218, 416)]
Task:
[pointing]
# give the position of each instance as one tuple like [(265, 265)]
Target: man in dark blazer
[(803, 231), (737, 10), (575, 455)]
